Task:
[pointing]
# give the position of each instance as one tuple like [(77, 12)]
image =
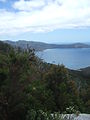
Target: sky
[(51, 21)]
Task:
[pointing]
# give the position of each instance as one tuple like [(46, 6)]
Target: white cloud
[(44, 16), (28, 5)]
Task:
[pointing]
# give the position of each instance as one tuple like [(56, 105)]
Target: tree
[(63, 88)]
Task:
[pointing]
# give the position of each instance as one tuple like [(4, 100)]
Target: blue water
[(71, 58)]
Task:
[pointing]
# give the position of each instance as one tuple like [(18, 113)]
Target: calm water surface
[(71, 58)]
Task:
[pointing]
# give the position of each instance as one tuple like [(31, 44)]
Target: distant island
[(39, 46)]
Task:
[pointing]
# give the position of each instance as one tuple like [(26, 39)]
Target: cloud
[(28, 5), (44, 16)]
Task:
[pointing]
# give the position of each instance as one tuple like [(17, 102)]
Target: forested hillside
[(27, 83)]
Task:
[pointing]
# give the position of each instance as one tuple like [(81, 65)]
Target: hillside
[(81, 76), (29, 86), (39, 46), (4, 47)]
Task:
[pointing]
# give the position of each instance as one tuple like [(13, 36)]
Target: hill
[(39, 46)]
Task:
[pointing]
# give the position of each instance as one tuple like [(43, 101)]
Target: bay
[(74, 58)]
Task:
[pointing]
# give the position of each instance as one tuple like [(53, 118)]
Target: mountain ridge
[(39, 46)]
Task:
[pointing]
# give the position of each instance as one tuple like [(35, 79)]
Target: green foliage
[(64, 90), (39, 96), (41, 115)]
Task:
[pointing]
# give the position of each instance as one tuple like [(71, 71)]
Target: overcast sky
[(45, 20)]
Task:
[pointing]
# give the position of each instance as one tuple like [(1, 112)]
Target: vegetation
[(29, 87)]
